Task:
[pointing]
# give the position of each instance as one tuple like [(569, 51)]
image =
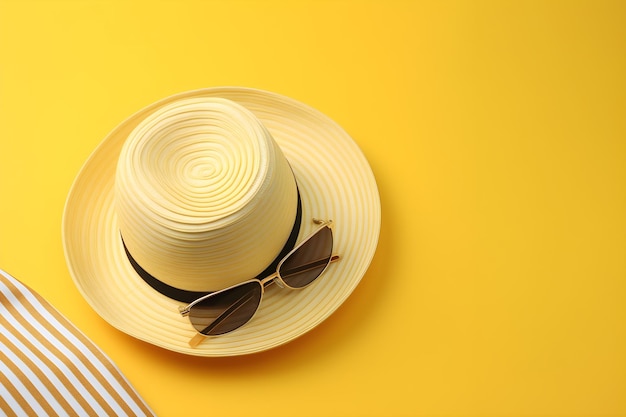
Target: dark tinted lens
[(309, 260), (225, 311)]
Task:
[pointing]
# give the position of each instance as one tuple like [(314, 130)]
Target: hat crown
[(205, 198)]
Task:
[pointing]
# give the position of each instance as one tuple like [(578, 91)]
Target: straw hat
[(203, 190)]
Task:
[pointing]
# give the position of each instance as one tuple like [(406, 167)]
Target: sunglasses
[(226, 310)]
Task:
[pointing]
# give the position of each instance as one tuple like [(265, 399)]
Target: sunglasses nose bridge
[(269, 280), (279, 281)]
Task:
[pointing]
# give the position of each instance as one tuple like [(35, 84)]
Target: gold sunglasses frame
[(265, 282)]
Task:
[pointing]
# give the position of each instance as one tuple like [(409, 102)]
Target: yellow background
[(496, 132)]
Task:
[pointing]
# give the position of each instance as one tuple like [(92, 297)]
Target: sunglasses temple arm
[(196, 340), (199, 337)]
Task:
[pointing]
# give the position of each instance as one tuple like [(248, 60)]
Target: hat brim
[(335, 182)]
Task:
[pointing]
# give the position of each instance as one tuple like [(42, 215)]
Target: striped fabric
[(48, 367)]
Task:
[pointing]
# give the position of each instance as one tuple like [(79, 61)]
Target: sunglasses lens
[(226, 310), (309, 260)]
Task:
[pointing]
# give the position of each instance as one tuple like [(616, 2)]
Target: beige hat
[(206, 189)]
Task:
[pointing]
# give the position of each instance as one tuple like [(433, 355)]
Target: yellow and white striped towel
[(49, 367)]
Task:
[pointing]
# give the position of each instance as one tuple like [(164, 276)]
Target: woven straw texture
[(335, 182)]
